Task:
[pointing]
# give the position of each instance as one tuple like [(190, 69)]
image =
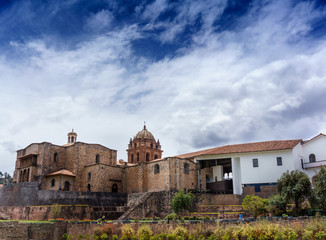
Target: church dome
[(145, 134)]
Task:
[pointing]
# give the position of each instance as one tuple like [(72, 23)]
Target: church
[(79, 166)]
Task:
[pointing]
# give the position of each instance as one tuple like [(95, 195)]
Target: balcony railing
[(306, 165)]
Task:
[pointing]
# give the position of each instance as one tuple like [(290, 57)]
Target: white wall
[(316, 146), (218, 172), (236, 171), (267, 171)]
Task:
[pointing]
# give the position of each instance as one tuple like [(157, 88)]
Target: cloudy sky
[(200, 73)]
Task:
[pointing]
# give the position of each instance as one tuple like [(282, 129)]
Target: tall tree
[(182, 201), (294, 186), (320, 188)]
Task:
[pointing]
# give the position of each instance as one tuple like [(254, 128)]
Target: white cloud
[(245, 85), (99, 21)]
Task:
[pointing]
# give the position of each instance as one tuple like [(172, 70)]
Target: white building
[(259, 165)]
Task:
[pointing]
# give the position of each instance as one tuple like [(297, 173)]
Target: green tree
[(182, 201), (294, 186), (255, 205), (276, 205), (320, 188)]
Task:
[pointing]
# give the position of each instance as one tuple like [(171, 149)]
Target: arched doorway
[(88, 187), (114, 187), (66, 186)]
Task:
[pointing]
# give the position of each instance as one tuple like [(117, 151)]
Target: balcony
[(307, 165), (220, 187)]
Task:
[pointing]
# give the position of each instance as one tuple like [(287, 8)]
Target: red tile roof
[(245, 148), (62, 172)]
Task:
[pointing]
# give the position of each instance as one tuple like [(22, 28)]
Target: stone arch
[(114, 187), (66, 186), (186, 168), (156, 169), (55, 157), (97, 158), (53, 182), (312, 158)]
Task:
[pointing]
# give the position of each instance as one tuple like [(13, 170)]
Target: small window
[(89, 176), (147, 157), (53, 183), (97, 158), (279, 161), (72, 139), (88, 187), (132, 157), (137, 157), (55, 157), (255, 162), (135, 145), (151, 145), (156, 169), (186, 168), (312, 158), (155, 156)]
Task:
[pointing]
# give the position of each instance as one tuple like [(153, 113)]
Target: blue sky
[(200, 73)]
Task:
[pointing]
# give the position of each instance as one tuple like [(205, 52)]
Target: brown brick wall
[(102, 178)]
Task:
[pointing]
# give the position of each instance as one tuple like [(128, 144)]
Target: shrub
[(108, 229), (307, 235), (172, 216), (294, 186), (104, 236), (115, 237), (127, 232), (86, 237), (276, 205), (56, 210), (171, 237), (255, 205), (97, 231), (144, 232), (320, 235), (180, 231), (182, 201), (67, 236)]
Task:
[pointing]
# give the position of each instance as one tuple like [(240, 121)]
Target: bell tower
[(143, 147), (72, 137)]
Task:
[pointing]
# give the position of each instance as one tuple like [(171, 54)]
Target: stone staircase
[(135, 203)]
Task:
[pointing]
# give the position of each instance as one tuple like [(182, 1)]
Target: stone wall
[(79, 212), (101, 178), (27, 194), (30, 231), (171, 176)]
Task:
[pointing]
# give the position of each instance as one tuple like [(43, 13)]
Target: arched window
[(53, 183), (155, 156), (114, 187), (151, 145), (72, 139), (132, 157), (88, 187), (55, 157), (137, 157), (186, 168), (156, 169), (312, 158), (97, 158), (66, 186), (89, 176), (147, 157), (135, 145)]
